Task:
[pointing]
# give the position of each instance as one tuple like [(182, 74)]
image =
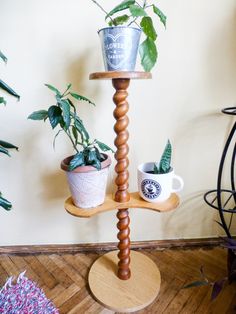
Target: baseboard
[(96, 247)]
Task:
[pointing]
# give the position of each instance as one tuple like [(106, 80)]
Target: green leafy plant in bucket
[(131, 12), (5, 146), (64, 115), (164, 165)]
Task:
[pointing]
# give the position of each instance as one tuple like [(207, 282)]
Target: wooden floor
[(63, 279)]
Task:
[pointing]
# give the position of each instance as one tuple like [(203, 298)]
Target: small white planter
[(87, 184), (156, 188)]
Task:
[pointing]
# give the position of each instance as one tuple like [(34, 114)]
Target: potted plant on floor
[(87, 169), (120, 41), (155, 180), (5, 146)]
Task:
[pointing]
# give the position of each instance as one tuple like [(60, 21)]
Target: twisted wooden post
[(122, 194)]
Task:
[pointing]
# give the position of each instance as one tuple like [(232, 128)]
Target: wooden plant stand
[(123, 280)]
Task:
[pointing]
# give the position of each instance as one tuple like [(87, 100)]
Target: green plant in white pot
[(5, 146), (87, 169), (155, 179), (120, 41)]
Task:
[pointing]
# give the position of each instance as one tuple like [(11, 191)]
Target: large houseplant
[(155, 179), (87, 169), (5, 146), (120, 41)]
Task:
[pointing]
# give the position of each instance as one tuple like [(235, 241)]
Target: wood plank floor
[(63, 279)]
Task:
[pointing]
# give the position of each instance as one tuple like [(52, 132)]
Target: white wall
[(56, 42)]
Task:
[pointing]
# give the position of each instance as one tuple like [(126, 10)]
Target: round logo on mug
[(150, 188)]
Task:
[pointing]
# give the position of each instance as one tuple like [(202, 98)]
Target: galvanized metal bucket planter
[(120, 47)]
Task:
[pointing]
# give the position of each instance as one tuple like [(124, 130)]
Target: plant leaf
[(78, 160), (103, 146), (120, 7), (148, 28), (148, 54), (119, 20), (54, 114), (4, 151), (38, 115), (54, 89), (5, 203), (81, 128), (2, 101), (75, 134), (93, 160), (217, 287), (65, 106), (8, 89), (195, 284), (3, 57), (165, 161), (136, 10), (79, 97), (7, 145), (161, 15), (155, 169)]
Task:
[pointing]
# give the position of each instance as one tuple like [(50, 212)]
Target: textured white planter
[(87, 184), (157, 187)]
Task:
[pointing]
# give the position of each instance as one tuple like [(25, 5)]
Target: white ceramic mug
[(157, 187)]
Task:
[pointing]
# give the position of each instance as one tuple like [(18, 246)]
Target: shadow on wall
[(192, 216), (78, 74), (54, 186)]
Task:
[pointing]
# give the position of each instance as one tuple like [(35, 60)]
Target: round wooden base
[(124, 295)]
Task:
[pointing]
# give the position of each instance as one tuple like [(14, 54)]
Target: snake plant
[(164, 165)]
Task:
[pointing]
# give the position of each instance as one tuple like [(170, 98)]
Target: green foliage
[(5, 146), (138, 13), (164, 165), (64, 115)]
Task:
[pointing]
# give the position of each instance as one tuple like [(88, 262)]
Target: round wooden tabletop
[(120, 75)]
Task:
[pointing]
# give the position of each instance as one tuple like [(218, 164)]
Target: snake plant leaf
[(156, 169), (2, 101), (160, 14), (80, 97), (4, 203), (148, 28), (3, 57), (103, 146), (38, 115), (8, 145), (8, 89), (120, 7), (54, 89), (65, 106), (78, 160), (119, 20), (148, 54), (165, 161), (136, 10), (55, 115)]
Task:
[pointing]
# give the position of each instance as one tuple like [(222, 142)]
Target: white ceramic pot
[(156, 188), (87, 184)]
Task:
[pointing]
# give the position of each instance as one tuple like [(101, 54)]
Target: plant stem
[(94, 1), (70, 137)]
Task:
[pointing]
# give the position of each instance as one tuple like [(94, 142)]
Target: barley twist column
[(122, 194)]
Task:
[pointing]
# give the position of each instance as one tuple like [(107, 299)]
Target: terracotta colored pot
[(87, 184)]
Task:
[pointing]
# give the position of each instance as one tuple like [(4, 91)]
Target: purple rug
[(24, 297)]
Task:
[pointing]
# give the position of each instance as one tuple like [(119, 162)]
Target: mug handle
[(181, 183)]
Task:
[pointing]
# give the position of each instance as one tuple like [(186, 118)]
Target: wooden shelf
[(135, 202), (120, 75)]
